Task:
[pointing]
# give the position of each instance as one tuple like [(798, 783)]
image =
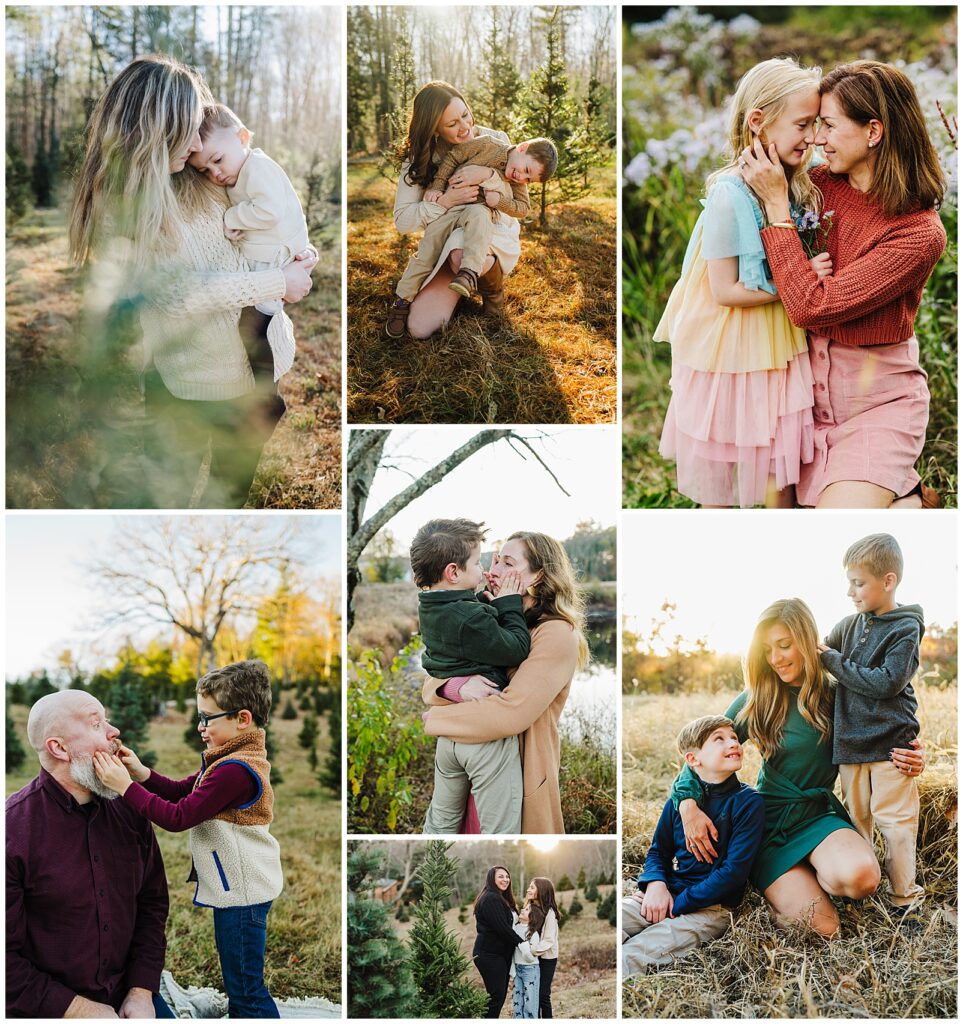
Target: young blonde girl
[(740, 419)]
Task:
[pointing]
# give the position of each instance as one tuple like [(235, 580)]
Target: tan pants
[(476, 221), (491, 772), (879, 792), (646, 945)]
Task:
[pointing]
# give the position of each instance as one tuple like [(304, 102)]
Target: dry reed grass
[(880, 966), (550, 359)]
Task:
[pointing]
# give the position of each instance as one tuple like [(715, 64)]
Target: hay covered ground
[(58, 458), (585, 980), (551, 359), (878, 968), (304, 928)]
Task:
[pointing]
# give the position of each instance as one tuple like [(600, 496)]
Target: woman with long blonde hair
[(152, 229), (440, 119), (532, 704), (810, 849)]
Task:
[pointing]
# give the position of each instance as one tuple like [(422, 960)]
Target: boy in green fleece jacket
[(465, 634)]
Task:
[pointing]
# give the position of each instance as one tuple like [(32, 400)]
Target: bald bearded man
[(86, 890)]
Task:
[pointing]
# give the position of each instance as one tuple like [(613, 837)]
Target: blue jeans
[(240, 934), (525, 991), (161, 1010)]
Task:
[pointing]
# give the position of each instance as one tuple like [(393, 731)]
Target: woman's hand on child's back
[(698, 828), (822, 264), (138, 770), (477, 688), (460, 195), (297, 279)]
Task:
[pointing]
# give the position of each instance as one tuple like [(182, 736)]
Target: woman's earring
[(532, 591)]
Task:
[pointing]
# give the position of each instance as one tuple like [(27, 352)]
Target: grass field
[(304, 929), (68, 432), (550, 359), (879, 967), (585, 981)]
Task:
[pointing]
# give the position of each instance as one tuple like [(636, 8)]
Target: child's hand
[(511, 583), (477, 688), (656, 902), (492, 198), (111, 772), (822, 264), (138, 770), (432, 196), (822, 648), (234, 234)]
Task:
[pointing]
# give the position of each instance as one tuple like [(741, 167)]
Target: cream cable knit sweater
[(193, 308)]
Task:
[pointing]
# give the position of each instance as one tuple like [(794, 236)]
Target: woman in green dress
[(810, 850)]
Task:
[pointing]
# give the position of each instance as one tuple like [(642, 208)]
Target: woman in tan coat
[(532, 704)]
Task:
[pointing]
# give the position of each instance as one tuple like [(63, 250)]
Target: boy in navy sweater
[(873, 656), (682, 903)]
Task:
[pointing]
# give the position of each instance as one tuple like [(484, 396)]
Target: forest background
[(528, 71), (73, 398)]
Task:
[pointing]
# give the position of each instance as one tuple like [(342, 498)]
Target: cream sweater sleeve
[(547, 942), (267, 187), (546, 671), (198, 280)]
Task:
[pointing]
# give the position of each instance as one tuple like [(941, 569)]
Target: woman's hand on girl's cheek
[(762, 171)]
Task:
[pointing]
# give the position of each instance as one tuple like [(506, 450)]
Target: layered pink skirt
[(729, 433)]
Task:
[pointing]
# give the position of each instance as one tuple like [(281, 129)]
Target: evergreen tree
[(437, 961), (330, 776), (575, 907), (565, 883), (271, 750), (16, 755), (290, 711), (19, 190), (580, 880), (130, 708), (547, 109), (39, 687), (308, 735), (592, 892), (501, 83), (403, 86), (379, 975), (606, 907)]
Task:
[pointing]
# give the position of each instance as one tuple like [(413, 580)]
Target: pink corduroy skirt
[(871, 410)]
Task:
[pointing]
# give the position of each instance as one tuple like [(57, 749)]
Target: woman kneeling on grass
[(810, 850)]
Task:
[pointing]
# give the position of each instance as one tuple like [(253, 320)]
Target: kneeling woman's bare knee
[(862, 879), (796, 897)]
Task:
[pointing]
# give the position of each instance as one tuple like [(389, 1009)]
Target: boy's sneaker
[(397, 323), (465, 282)]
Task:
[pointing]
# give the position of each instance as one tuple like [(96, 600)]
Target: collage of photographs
[(481, 519)]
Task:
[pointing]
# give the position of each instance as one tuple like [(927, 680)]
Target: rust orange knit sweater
[(880, 267)]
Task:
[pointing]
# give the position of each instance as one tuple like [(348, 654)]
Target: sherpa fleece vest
[(237, 862)]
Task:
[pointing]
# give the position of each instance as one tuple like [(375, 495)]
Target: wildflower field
[(678, 73)]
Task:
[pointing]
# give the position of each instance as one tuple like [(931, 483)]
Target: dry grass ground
[(551, 359), (56, 459), (585, 980), (879, 967), (304, 929)]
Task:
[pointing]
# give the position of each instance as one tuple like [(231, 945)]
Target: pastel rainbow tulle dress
[(742, 388)]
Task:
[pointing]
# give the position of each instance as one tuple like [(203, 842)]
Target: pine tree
[(379, 975), (16, 755), (403, 86), (565, 883), (548, 110), (575, 907), (592, 892), (580, 880), (290, 711), (308, 735), (330, 775), (606, 907), (501, 83), (191, 736), (271, 750), (438, 963), (130, 713)]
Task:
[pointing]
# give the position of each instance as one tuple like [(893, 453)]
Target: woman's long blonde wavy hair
[(147, 116), (767, 87), (557, 594), (767, 707)]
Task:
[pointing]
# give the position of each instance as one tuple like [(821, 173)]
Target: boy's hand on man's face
[(111, 772), (138, 770)]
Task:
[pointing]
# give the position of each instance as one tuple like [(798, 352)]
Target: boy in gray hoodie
[(874, 655)]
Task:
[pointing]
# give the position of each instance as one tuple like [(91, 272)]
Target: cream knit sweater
[(193, 305)]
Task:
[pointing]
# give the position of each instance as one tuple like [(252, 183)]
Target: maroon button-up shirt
[(86, 901)]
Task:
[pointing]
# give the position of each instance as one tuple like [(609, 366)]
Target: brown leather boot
[(465, 282), (397, 323), (491, 287)]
